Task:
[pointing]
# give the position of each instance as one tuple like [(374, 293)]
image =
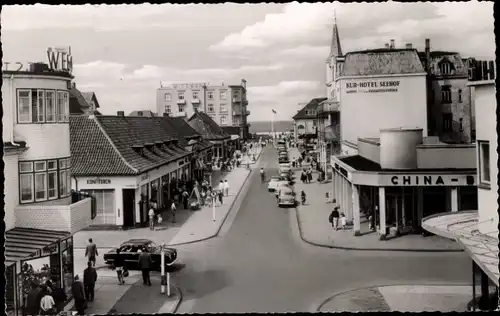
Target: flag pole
[(272, 125)]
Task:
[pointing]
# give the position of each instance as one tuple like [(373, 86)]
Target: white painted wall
[(11, 189), (485, 102), (364, 114)]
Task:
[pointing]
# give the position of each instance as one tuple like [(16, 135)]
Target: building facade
[(226, 105), (41, 214), (223, 143), (306, 120), (477, 231), (130, 164)]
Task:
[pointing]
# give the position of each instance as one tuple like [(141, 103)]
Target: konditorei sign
[(427, 180), (99, 181), (372, 86)]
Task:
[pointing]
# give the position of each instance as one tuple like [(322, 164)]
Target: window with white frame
[(210, 108), (210, 95), (180, 95), (484, 162), (168, 97), (223, 120), (223, 95), (195, 94), (42, 106), (43, 180), (168, 109), (181, 107), (223, 107)]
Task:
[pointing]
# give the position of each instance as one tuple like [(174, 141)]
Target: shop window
[(484, 162), (38, 180), (446, 94), (67, 264)]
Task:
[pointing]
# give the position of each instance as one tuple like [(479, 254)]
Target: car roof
[(137, 242), (286, 189)]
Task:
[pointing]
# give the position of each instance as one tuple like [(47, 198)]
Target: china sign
[(372, 86), (427, 180)]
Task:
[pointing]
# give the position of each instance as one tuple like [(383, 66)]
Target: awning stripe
[(45, 240), (40, 231)]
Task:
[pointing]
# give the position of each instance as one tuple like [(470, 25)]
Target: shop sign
[(372, 86), (427, 180), (478, 70), (60, 59), (99, 181), (189, 85), (47, 250)]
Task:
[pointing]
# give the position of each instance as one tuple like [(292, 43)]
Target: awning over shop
[(235, 137), (463, 227), (22, 243)]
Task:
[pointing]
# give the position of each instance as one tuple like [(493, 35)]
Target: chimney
[(392, 44), (427, 54), (387, 45), (120, 113), (408, 45)]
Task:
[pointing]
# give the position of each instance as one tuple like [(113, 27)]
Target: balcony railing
[(237, 111), (180, 114), (69, 218), (181, 101), (195, 101)]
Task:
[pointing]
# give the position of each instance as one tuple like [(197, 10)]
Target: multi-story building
[(82, 103), (477, 230), (306, 120), (226, 105), (41, 214)]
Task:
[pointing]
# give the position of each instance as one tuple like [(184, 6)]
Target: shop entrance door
[(128, 207)]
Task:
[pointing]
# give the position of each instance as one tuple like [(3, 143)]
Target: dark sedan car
[(130, 255)]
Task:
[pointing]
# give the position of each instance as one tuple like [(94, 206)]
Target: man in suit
[(78, 295), (89, 279), (145, 264), (33, 299), (91, 252)]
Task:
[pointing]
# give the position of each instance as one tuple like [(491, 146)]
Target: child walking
[(343, 220)]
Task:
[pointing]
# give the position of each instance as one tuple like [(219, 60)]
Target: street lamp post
[(165, 279), (213, 208)]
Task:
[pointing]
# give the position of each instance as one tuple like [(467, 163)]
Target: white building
[(306, 120), (40, 212), (477, 231)]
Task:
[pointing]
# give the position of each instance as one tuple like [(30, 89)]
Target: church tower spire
[(335, 48)]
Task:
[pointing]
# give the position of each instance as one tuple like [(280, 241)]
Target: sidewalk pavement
[(315, 228), (401, 298), (131, 297)]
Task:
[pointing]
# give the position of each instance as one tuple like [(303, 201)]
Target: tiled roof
[(91, 151), (89, 97), (77, 102), (231, 130), (382, 62), (311, 105), (185, 131), (126, 131), (207, 127)]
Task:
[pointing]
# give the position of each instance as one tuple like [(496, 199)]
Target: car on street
[(282, 184), (283, 160), (285, 169), (128, 250), (286, 197), (273, 184), (285, 165), (286, 177)]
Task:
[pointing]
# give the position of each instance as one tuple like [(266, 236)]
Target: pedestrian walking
[(145, 263), (173, 208), (343, 221), (33, 299), (91, 252), (185, 196), (89, 279), (335, 217), (309, 176), (118, 265), (151, 215), (78, 296), (226, 188), (47, 304)]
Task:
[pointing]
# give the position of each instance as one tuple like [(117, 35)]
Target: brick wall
[(70, 218)]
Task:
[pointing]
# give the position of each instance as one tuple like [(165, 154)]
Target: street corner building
[(477, 230), (41, 213), (223, 143), (131, 163)]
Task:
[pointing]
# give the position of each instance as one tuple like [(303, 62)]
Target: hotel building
[(477, 230), (226, 105), (41, 213)]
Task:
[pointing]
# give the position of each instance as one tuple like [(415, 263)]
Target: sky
[(123, 52)]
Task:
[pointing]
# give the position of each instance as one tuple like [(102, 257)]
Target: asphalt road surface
[(259, 263)]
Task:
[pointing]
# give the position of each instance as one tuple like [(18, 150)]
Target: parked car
[(273, 184), (282, 184), (285, 165), (130, 255), (283, 160), (286, 197), (285, 169)]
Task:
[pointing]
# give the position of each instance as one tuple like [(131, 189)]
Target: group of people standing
[(306, 175), (210, 196), (45, 298)]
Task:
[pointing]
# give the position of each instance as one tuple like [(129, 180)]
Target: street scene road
[(261, 265)]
